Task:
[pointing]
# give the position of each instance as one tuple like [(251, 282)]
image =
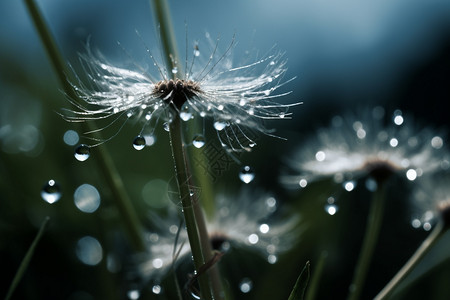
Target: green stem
[(374, 222), (183, 179), (171, 57), (426, 245), (106, 165), (26, 260)]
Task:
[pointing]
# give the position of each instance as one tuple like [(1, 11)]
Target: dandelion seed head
[(213, 86), (387, 147), (242, 223)]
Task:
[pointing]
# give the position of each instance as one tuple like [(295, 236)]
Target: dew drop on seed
[(82, 152), (51, 192), (303, 182), (139, 142), (166, 126), (245, 285), (185, 113), (198, 141), (331, 209), (157, 289), (349, 185), (196, 52), (219, 125), (247, 175), (175, 70)]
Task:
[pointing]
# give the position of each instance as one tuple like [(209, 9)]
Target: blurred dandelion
[(246, 222), (368, 145), (431, 202), (234, 96)]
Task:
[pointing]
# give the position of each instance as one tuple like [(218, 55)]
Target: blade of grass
[(298, 292), (26, 260)]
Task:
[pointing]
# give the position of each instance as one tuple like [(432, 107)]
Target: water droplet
[(157, 289), (271, 259), (320, 156), (264, 228), (86, 198), (82, 152), (426, 226), (219, 125), (133, 294), (361, 133), (185, 113), (139, 142), (411, 174), (196, 51), (71, 137), (166, 126), (89, 250), (198, 141), (251, 111), (246, 285), (416, 223), (247, 175), (331, 209), (157, 263), (349, 185), (150, 140), (303, 183), (393, 142), (175, 70), (220, 107), (51, 192), (271, 204), (398, 120), (282, 115), (242, 102), (437, 142)]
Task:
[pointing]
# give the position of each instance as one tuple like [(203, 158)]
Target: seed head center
[(176, 91)]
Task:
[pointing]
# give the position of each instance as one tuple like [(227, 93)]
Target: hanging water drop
[(247, 175), (139, 142), (82, 152), (185, 113), (219, 125), (175, 70), (198, 141), (196, 51), (166, 126), (331, 209), (51, 192)]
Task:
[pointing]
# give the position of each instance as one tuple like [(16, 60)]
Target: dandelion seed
[(215, 88), (382, 151)]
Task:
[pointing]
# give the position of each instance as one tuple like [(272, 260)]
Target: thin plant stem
[(105, 162), (194, 217), (183, 179), (314, 283), (373, 226), (26, 260), (171, 57), (426, 245)]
